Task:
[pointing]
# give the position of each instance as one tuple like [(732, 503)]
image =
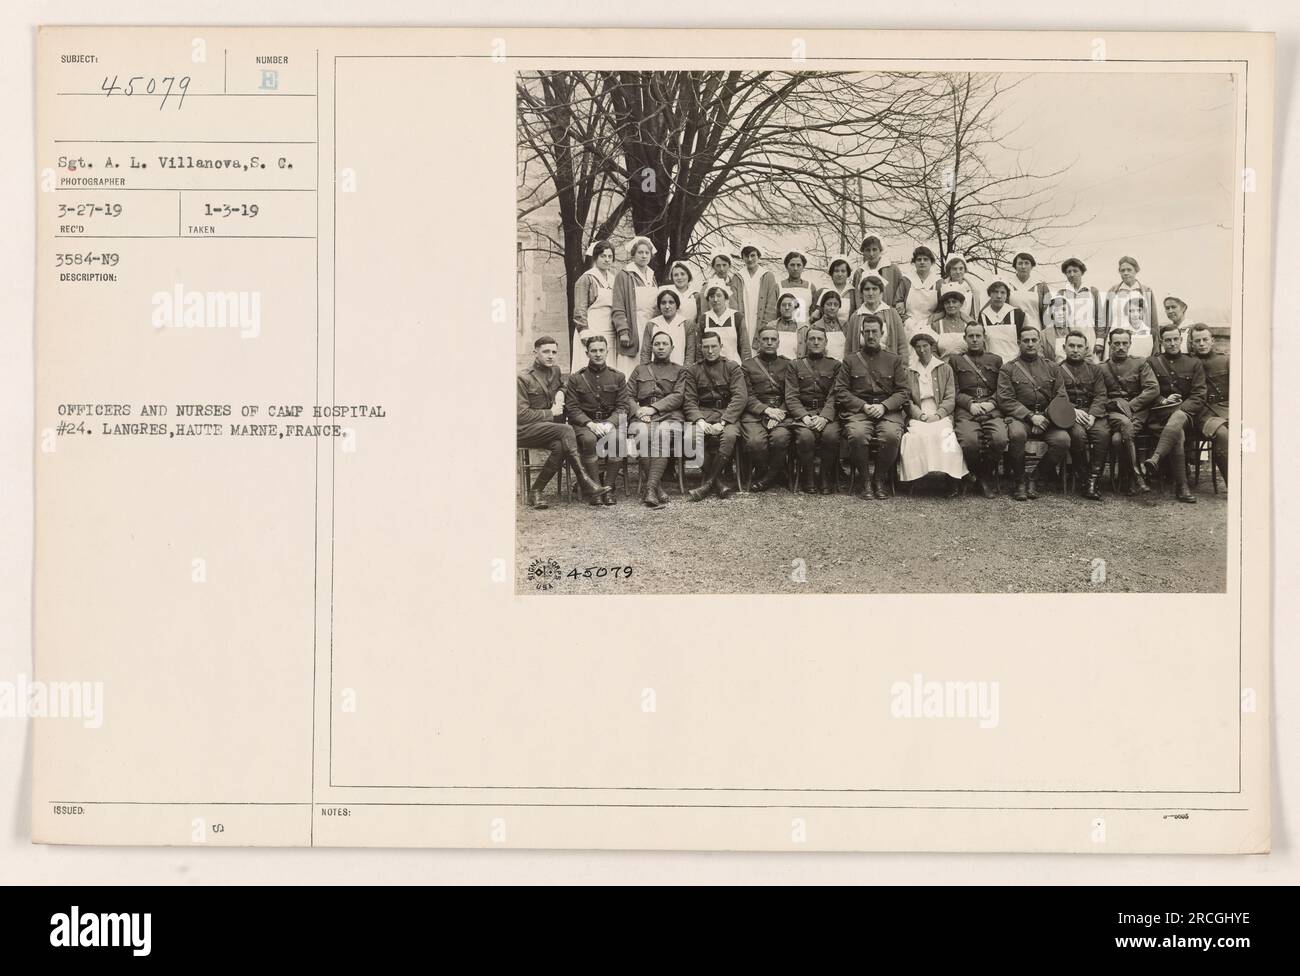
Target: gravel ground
[(749, 544)]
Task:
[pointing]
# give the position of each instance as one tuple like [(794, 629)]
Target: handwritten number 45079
[(140, 85)]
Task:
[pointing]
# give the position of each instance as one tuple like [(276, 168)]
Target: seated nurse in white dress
[(930, 443)]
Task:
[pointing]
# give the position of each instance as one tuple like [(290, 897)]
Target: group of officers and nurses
[(990, 355)]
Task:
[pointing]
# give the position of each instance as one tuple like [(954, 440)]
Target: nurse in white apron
[(1000, 319), (840, 272), (1026, 291), (949, 326), (829, 315), (796, 285), (592, 303), (635, 290), (892, 333), (955, 277), (726, 321), (671, 322), (682, 279), (721, 273), (787, 325), (1138, 316), (1056, 326), (922, 298), (756, 296)]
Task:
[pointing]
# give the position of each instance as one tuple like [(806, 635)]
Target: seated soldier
[(1086, 388), (1182, 398), (1026, 385), (870, 394), (810, 404), (1214, 418), (765, 425), (713, 398), (1131, 388), (979, 425), (657, 390), (594, 401), (539, 419)]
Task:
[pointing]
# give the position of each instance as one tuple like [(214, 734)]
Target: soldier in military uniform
[(810, 404), (1026, 385), (1182, 398), (870, 394), (979, 425), (714, 398), (765, 425), (1086, 388), (595, 402), (539, 419), (656, 390), (1131, 388), (1214, 418)]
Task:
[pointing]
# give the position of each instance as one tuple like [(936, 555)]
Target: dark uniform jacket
[(535, 390), (1131, 380), (715, 392), (1027, 386), (658, 385), (879, 377), (977, 378), (809, 383), (595, 396), (1183, 374), (1216, 384), (1085, 386), (765, 384)]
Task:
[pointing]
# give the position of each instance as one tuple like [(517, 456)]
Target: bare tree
[(966, 188), (697, 159), (708, 156), (566, 157)]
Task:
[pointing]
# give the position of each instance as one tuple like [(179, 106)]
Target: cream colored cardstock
[(309, 631)]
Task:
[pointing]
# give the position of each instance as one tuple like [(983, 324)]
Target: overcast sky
[(1156, 182), (1151, 173)]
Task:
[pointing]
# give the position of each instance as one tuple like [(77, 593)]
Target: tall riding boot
[(1042, 474), (655, 471), (775, 471), (1091, 491), (765, 463), (1169, 443), (591, 489), (807, 484), (1137, 483), (549, 467), (609, 497), (987, 473), (1181, 490), (830, 480), (1021, 493), (724, 488), (1221, 462), (710, 473)]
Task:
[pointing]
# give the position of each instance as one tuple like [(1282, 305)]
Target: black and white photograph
[(856, 332)]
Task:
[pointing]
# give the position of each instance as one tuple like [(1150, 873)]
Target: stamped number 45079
[(600, 572)]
